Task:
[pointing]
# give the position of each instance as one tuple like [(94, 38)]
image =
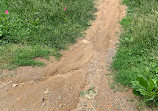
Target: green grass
[(138, 49), (38, 28), (13, 55)]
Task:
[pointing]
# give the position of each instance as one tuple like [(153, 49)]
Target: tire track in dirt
[(57, 86), (110, 13)]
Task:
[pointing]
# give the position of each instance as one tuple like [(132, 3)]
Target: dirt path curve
[(57, 87)]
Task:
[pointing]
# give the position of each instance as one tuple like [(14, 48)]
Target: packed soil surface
[(60, 85)]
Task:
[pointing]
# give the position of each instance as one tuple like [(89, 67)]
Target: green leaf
[(151, 85), (137, 93), (131, 39), (143, 82), (150, 98), (157, 84), (142, 91), (82, 93), (156, 70), (156, 104), (1, 33), (89, 24)]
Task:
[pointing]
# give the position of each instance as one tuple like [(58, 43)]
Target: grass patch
[(138, 50), (35, 28), (137, 53), (13, 55)]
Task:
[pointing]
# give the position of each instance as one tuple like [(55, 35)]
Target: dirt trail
[(57, 87)]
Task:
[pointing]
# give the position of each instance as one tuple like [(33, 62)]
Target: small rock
[(31, 82), (11, 82), (14, 85), (60, 97), (43, 104), (85, 104), (85, 41), (46, 92), (61, 105), (110, 40), (71, 88)]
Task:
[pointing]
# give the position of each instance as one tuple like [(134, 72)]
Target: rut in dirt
[(57, 87)]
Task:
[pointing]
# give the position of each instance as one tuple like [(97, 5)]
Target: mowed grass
[(39, 28), (138, 49)]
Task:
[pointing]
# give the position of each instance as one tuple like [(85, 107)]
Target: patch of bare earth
[(57, 86)]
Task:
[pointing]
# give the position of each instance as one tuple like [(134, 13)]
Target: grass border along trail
[(37, 28), (138, 49)]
